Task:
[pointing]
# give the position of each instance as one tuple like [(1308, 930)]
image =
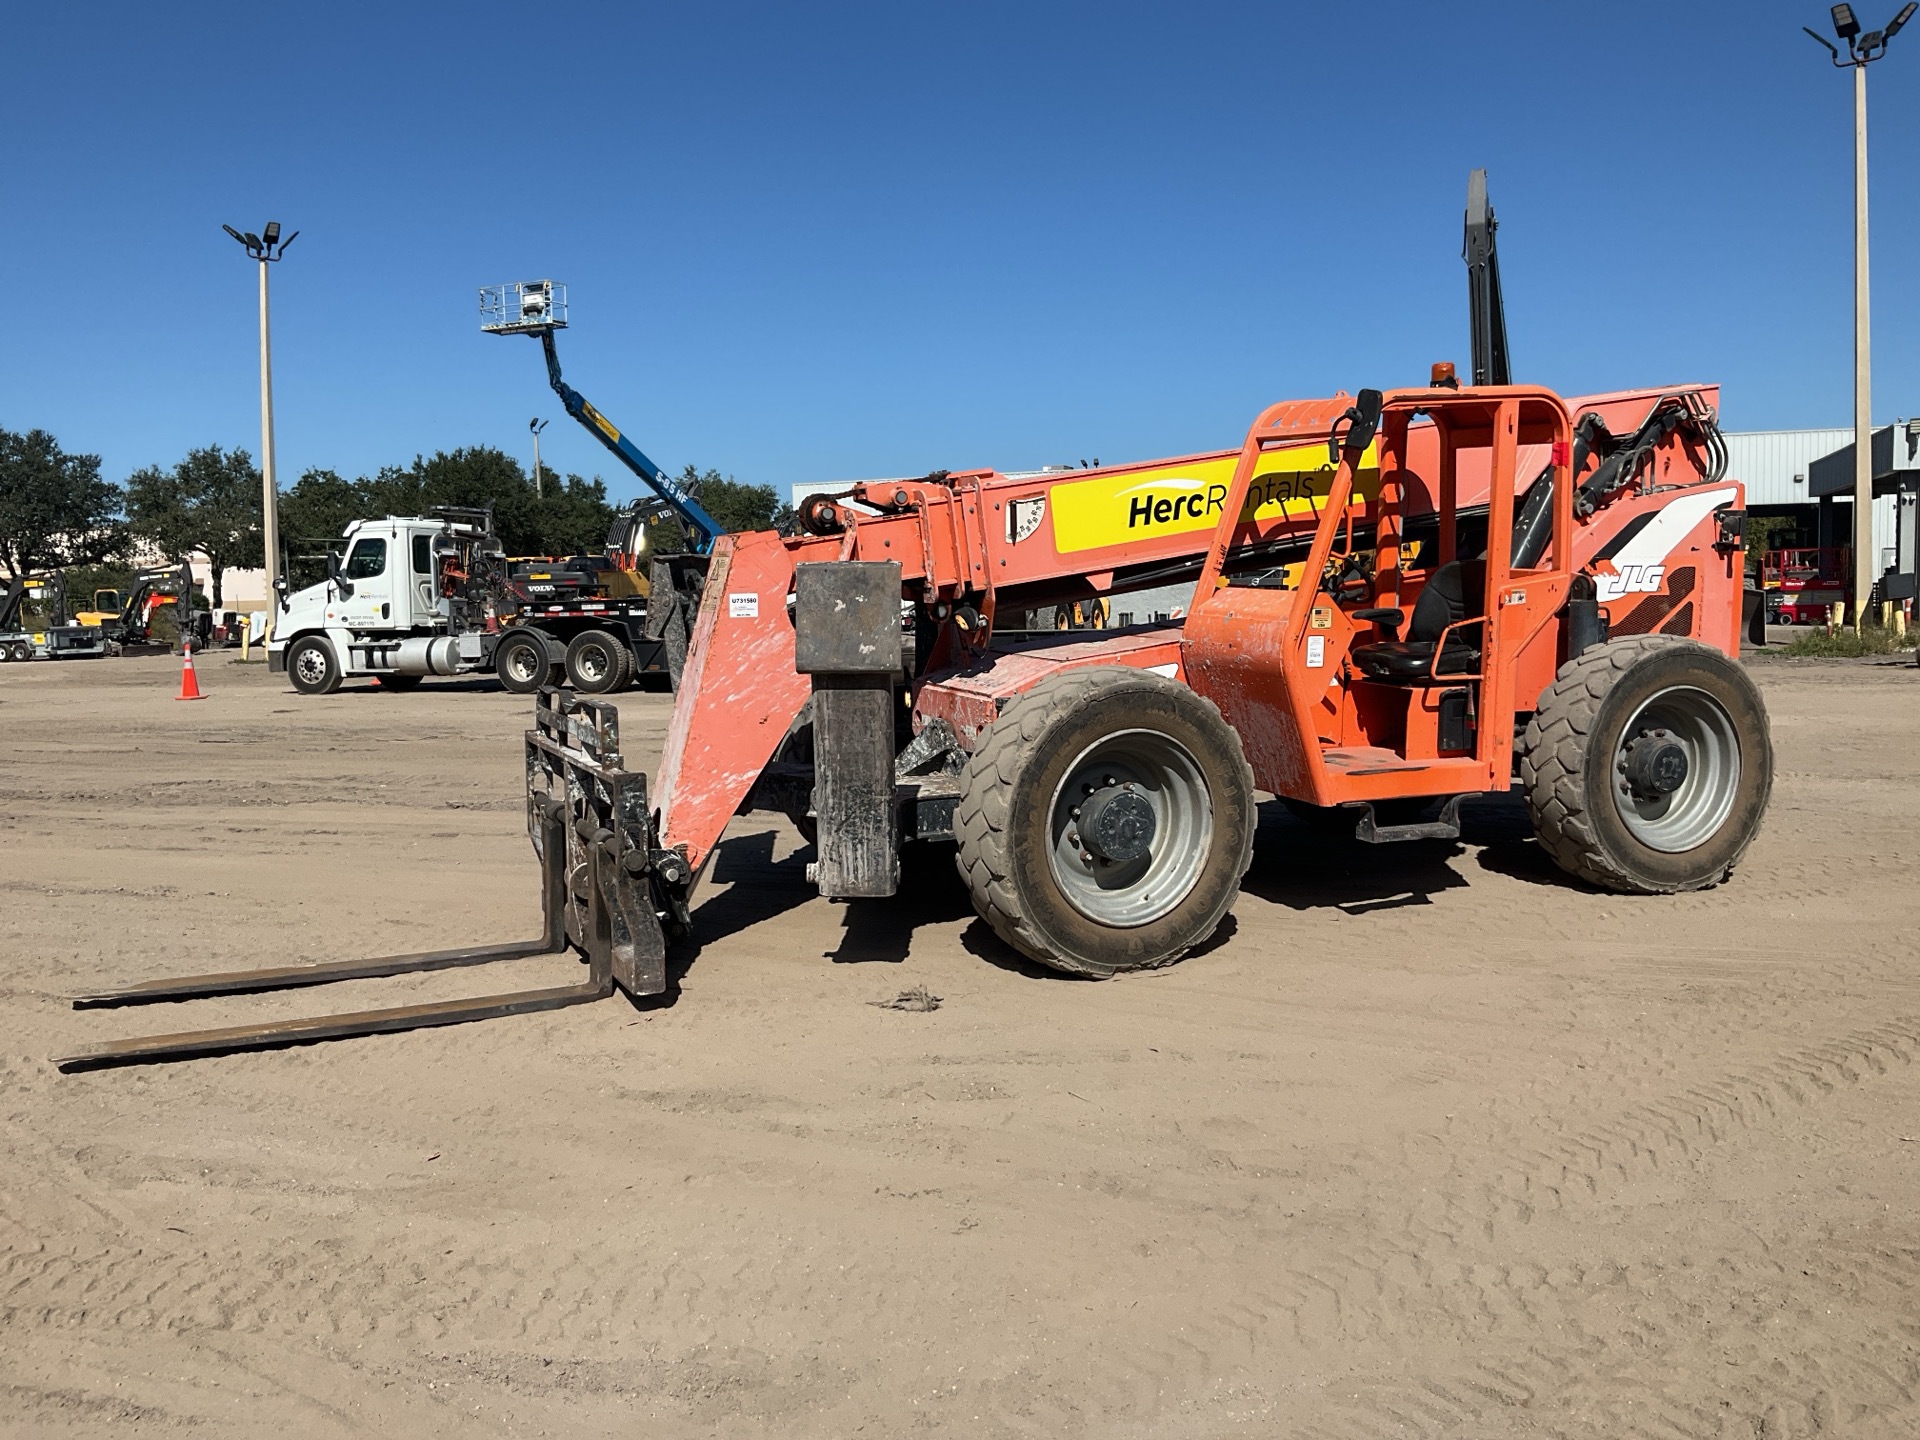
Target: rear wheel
[(1105, 821), (521, 663), (21, 650), (1648, 765), (311, 666), (596, 663)]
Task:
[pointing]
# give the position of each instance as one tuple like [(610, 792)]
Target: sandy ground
[(1430, 1144)]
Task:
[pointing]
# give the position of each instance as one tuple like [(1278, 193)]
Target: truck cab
[(384, 609)]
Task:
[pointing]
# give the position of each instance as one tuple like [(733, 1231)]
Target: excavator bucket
[(591, 828)]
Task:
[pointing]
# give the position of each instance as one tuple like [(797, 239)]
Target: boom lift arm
[(539, 307)]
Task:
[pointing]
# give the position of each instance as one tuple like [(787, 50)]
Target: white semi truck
[(410, 596)]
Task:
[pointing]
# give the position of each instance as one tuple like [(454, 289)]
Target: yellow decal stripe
[(606, 426), (1178, 499)]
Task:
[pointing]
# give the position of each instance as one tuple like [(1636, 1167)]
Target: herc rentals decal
[(1176, 499)]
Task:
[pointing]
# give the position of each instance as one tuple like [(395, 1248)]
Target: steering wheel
[(1349, 579)]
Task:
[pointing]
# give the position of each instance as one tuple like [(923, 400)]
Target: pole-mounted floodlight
[(1861, 46), (267, 247), (1862, 49), (536, 425)]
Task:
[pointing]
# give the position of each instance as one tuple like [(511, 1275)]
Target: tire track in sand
[(1472, 1265)]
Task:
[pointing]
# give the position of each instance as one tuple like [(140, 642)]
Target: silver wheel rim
[(1127, 894), (593, 663), (520, 663), (310, 665), (1693, 813)]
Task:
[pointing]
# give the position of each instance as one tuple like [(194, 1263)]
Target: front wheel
[(1648, 765), (311, 666), (1105, 821)]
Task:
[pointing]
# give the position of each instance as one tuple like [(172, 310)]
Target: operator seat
[(1454, 592)]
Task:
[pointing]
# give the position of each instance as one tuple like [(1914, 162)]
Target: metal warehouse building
[(1807, 476)]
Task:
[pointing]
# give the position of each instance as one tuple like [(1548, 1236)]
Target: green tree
[(55, 510), (574, 516), (208, 504)]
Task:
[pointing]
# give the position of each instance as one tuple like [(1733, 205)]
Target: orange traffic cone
[(189, 682)]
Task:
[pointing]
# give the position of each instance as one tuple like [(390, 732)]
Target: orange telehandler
[(1401, 599)]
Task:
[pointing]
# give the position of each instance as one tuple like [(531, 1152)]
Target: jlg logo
[(1630, 580)]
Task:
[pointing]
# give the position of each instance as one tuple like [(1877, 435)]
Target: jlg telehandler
[(1401, 600)]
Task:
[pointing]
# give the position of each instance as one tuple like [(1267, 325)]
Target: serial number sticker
[(1316, 652), (743, 606)]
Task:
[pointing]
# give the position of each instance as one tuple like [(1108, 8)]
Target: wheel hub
[(1117, 824), (1655, 765)]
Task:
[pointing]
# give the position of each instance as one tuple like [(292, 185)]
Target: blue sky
[(818, 242)]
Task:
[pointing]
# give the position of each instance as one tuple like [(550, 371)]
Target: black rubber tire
[(1002, 820), (596, 663), (797, 749), (508, 657), (1567, 759), (21, 651), (325, 677)]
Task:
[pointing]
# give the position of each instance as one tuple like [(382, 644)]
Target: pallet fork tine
[(591, 828)]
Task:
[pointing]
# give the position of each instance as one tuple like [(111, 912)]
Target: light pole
[(1862, 50), (267, 247), (536, 425)]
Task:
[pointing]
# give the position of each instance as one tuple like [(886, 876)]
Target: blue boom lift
[(539, 307)]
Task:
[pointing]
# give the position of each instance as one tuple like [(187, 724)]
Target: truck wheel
[(521, 663), (21, 650), (1647, 765), (311, 666), (1105, 821), (596, 663)]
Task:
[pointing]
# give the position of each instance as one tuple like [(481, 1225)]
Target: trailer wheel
[(1647, 765), (1105, 821), (521, 663), (596, 663), (21, 650), (311, 666)]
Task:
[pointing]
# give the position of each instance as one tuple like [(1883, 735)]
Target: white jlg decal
[(1630, 580), (1640, 565)]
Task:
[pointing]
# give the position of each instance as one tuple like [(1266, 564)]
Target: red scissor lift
[(1803, 584)]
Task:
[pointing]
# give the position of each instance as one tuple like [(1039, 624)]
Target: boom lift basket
[(588, 818), (523, 307)]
